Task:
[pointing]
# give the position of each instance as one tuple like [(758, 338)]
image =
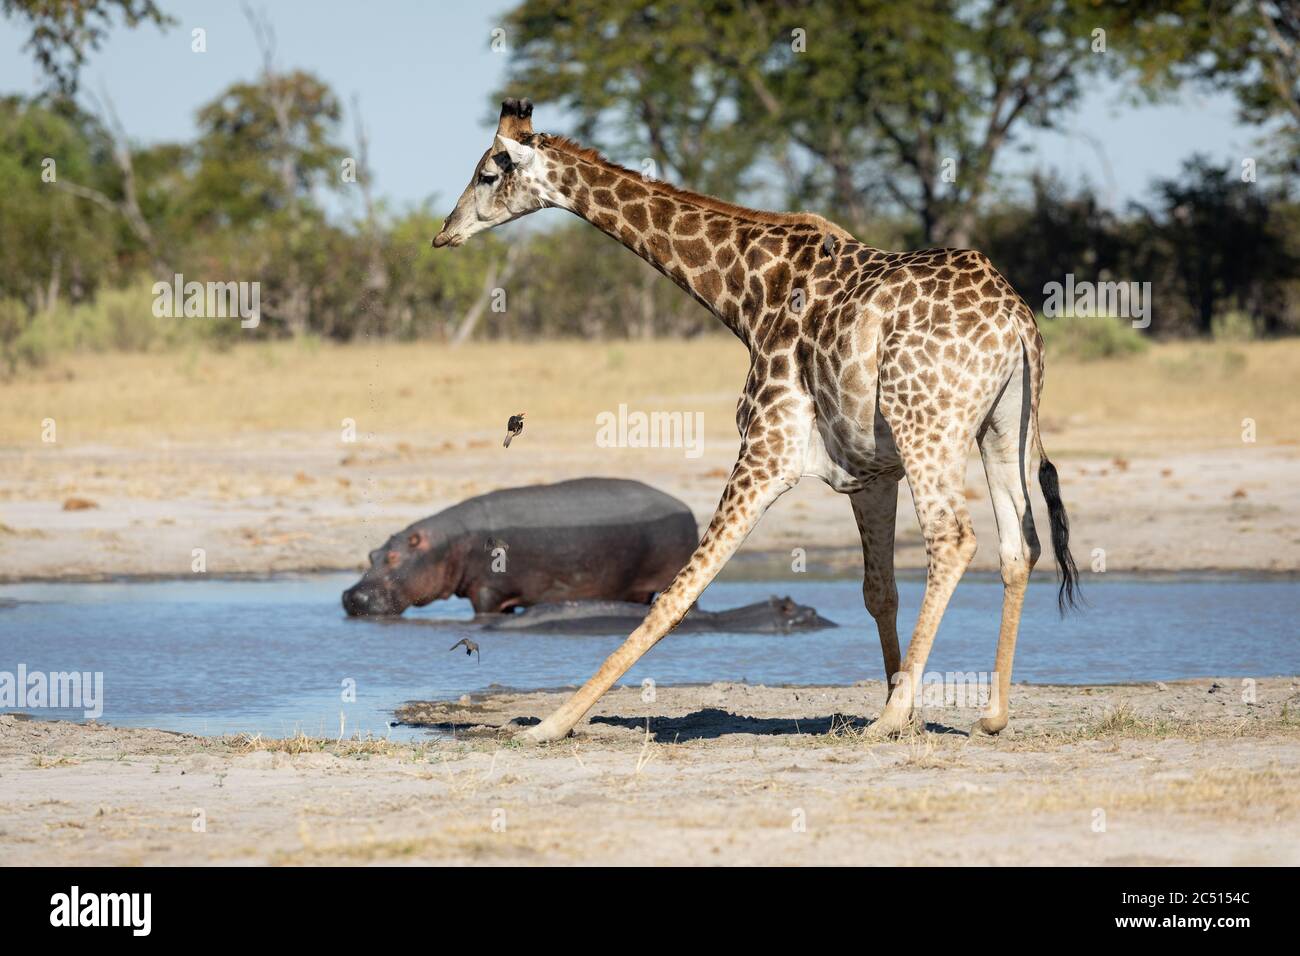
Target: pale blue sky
[(423, 72)]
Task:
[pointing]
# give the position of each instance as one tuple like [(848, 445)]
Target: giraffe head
[(505, 184)]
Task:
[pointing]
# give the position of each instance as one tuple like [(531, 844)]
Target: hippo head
[(413, 568), (789, 615)]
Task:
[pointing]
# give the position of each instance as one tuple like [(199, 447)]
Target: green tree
[(1250, 48), (62, 31), (52, 245), (264, 150), (855, 105), (264, 147), (1225, 243), (642, 73)]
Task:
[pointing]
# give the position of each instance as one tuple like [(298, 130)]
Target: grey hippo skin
[(773, 616), (591, 538)]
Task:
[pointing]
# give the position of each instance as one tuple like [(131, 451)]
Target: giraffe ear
[(520, 155)]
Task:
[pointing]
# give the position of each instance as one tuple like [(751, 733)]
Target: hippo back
[(580, 502), (604, 538)]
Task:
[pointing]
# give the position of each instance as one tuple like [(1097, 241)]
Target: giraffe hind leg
[(1004, 443), (938, 490)]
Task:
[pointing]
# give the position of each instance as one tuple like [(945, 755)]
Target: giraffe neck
[(723, 256)]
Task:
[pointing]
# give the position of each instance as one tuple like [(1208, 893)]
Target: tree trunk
[(647, 300), (491, 283)]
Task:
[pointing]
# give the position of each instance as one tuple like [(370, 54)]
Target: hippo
[(590, 538), (776, 615)]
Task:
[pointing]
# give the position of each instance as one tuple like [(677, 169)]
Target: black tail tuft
[(1069, 596)]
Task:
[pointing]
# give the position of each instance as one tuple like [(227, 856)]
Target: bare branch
[(491, 282)]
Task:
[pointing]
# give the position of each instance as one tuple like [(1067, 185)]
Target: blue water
[(221, 656)]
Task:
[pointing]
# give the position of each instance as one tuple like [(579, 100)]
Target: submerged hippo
[(773, 616), (592, 538)]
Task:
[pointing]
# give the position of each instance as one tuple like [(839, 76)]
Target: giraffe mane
[(573, 148)]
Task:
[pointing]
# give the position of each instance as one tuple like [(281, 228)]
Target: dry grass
[(439, 838), (1124, 723), (414, 390), (1188, 395), (1118, 723), (1227, 792), (357, 747), (1192, 395)]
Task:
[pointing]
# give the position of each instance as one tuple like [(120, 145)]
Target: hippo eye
[(414, 540)]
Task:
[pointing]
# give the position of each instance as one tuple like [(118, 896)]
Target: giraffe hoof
[(529, 737), (886, 727), (984, 727), (536, 734)]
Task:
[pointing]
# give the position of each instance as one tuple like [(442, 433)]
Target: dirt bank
[(288, 458), (1185, 773), (293, 504)]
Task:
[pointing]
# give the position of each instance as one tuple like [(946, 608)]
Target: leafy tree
[(646, 74), (52, 244), (1250, 48), (265, 147), (1222, 242), (62, 31), (855, 103), (1056, 233)]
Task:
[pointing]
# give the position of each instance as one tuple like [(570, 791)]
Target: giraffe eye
[(487, 179)]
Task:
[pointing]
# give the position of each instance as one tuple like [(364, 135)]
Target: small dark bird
[(513, 428), (470, 647)]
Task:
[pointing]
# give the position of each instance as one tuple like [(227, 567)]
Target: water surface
[(271, 657)]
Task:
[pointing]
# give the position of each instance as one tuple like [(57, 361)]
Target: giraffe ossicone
[(892, 366)]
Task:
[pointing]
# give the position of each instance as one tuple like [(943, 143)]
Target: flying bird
[(513, 428), (470, 647)]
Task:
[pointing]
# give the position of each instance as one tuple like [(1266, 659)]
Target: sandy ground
[(295, 502), (123, 464), (1184, 773), (240, 454)]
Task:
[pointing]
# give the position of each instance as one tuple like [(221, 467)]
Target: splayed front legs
[(750, 491)]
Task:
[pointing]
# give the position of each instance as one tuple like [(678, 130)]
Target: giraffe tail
[(1069, 597)]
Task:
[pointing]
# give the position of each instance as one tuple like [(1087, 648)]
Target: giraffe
[(866, 367)]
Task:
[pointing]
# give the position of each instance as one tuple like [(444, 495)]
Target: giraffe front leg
[(753, 486), (876, 509)]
